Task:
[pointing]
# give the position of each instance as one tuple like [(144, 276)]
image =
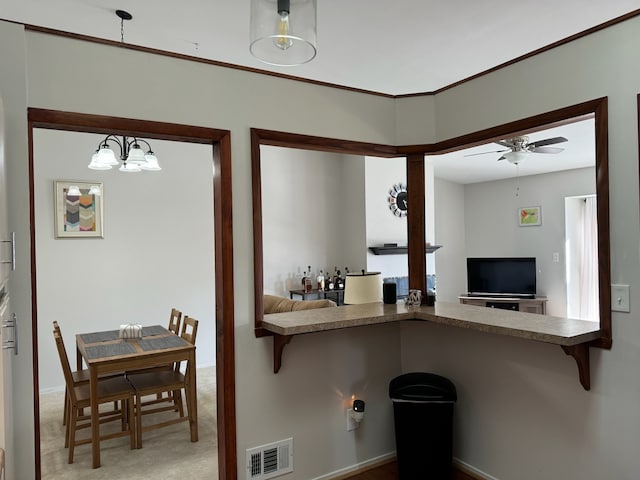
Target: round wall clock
[(398, 200)]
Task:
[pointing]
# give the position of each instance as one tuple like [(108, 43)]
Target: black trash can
[(423, 413)]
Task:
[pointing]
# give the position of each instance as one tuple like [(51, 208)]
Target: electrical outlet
[(351, 423), (556, 257), (620, 298)]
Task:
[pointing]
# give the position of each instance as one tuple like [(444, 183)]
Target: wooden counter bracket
[(580, 353), (279, 342)]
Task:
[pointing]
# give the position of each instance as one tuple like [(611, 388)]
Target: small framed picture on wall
[(529, 216), (78, 209)]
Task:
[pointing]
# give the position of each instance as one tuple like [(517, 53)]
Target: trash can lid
[(422, 387)]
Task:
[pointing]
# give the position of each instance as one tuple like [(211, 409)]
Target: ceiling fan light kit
[(283, 32), (518, 148)]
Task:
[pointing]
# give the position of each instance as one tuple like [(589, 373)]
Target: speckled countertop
[(542, 328)]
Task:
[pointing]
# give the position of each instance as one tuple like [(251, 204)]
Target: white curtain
[(589, 293)]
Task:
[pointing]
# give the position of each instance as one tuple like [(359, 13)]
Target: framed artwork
[(529, 216), (78, 209)]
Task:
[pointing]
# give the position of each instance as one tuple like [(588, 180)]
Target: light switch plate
[(620, 298)]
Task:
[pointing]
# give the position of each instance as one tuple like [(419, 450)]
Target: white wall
[(382, 226), (157, 250), (312, 215), (450, 261)]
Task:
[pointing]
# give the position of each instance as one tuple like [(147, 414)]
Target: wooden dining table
[(104, 352)]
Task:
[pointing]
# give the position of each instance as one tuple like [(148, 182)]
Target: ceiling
[(393, 47)]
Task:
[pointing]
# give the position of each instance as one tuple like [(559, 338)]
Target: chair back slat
[(175, 321), (64, 362), (189, 329)]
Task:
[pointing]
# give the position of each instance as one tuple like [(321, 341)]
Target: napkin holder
[(130, 331)]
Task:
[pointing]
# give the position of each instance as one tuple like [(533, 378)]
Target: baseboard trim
[(471, 471), (349, 472), (462, 470)]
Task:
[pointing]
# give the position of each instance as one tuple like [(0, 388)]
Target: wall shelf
[(398, 250), (573, 336)]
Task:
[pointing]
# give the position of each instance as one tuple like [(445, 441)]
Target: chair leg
[(123, 415), (72, 424), (66, 400), (138, 412), (177, 396), (67, 429), (131, 422)]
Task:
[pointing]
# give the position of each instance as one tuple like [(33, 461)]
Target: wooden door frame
[(220, 140)]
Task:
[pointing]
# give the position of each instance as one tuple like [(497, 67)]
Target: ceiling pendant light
[(283, 32), (133, 157)]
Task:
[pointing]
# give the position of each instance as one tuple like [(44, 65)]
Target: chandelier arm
[(147, 143), (113, 138)]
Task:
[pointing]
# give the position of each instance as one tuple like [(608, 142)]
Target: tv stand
[(529, 305)]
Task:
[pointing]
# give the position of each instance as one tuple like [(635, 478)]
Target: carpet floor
[(166, 452)]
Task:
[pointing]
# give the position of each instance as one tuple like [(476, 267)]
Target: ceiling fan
[(519, 147)]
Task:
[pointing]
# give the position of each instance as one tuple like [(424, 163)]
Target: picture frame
[(529, 216), (78, 216)]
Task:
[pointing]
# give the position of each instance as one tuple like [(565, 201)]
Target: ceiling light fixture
[(133, 157), (516, 156), (283, 32)]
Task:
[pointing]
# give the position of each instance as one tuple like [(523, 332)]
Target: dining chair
[(115, 389), (79, 377), (175, 320), (171, 382)]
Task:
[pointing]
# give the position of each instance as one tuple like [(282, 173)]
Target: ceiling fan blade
[(546, 149), (504, 143), (483, 153), (546, 141), (502, 158)]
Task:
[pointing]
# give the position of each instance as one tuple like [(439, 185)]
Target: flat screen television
[(502, 277)]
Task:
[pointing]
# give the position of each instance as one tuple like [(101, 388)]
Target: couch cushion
[(276, 304)]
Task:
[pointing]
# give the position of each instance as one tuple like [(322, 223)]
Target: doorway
[(222, 253)]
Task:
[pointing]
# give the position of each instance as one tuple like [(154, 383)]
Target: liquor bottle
[(339, 281), (329, 281), (304, 279), (321, 281), (308, 286)]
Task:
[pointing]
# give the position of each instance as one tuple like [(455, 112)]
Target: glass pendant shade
[(151, 163), (136, 155), (283, 32), (106, 156), (130, 167), (96, 165), (94, 190)]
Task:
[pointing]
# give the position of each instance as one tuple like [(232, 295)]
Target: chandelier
[(133, 157)]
